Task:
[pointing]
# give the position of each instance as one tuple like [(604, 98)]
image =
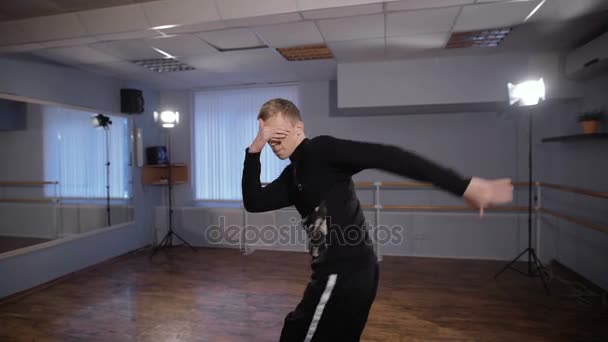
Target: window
[(224, 125), (75, 154)]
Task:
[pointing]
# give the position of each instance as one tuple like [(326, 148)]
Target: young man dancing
[(318, 182)]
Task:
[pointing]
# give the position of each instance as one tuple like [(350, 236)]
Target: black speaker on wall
[(131, 101)]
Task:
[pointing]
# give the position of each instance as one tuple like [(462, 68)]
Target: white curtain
[(75, 154), (225, 123)]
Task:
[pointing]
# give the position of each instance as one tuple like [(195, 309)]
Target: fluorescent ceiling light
[(166, 54), (535, 10), (164, 27)]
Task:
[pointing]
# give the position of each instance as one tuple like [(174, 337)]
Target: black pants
[(334, 307)]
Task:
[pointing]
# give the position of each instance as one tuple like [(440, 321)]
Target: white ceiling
[(222, 38), (351, 28), (21, 9)]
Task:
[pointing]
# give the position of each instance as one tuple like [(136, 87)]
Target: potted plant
[(590, 120)]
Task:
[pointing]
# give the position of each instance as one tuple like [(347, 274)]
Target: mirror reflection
[(66, 172)]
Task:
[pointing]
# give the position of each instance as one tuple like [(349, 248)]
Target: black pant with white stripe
[(334, 307)]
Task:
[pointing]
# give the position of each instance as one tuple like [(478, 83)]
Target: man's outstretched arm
[(257, 198), (356, 156)]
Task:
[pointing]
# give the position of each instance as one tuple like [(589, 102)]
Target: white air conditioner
[(589, 60)]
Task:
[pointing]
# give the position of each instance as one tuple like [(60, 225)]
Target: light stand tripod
[(535, 266), (167, 241), (108, 213), (103, 121)]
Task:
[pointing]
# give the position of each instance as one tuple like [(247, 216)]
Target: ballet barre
[(443, 208), (575, 190), (377, 206), (27, 183), (440, 208), (584, 223), (29, 200), (54, 200)]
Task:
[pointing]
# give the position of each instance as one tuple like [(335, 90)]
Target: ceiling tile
[(114, 19), (128, 49), (76, 55), (238, 61), (100, 69), (257, 67), (264, 20), (343, 11), (123, 68), (182, 46), (358, 50), (567, 9), (231, 39), (68, 42), (483, 16), (14, 10), (14, 32), (233, 9), (195, 28), (82, 5), (361, 27), (52, 27), (407, 5), (396, 46), (127, 35), (20, 48), (308, 5), (286, 35), (422, 21), (184, 12)]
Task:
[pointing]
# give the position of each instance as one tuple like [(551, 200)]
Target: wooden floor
[(9, 243), (222, 295)]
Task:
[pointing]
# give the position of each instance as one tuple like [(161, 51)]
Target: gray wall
[(581, 164), (481, 144), (12, 115), (24, 149), (490, 144), (62, 85), (77, 88), (447, 80), (441, 80)]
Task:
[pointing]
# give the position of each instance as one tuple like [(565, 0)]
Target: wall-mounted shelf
[(578, 137), (159, 174)]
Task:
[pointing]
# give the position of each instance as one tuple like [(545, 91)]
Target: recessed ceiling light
[(306, 52), (163, 65), (481, 38)]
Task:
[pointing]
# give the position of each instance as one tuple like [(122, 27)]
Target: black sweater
[(318, 182)]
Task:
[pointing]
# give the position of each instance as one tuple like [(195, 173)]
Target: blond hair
[(275, 106)]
